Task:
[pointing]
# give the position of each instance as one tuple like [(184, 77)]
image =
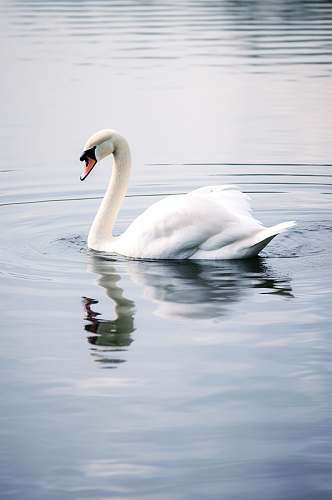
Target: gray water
[(132, 379)]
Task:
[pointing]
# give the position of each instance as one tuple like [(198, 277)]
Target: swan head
[(100, 145)]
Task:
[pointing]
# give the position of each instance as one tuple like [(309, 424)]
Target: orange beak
[(89, 164)]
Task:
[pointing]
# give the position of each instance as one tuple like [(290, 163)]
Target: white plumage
[(212, 222)]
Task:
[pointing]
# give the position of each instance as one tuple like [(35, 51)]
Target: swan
[(213, 222)]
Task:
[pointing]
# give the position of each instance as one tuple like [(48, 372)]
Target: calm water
[(159, 380)]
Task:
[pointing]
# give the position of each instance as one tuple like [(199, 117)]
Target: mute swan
[(212, 222)]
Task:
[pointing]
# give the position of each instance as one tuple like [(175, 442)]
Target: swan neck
[(101, 231)]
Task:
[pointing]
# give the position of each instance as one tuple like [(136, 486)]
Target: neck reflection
[(109, 338)]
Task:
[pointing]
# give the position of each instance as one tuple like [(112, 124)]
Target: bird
[(209, 223)]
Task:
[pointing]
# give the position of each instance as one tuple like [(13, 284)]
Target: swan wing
[(180, 225), (229, 195)]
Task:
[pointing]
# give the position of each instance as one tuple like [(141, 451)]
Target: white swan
[(212, 222)]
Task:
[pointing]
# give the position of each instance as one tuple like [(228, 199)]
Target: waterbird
[(212, 222)]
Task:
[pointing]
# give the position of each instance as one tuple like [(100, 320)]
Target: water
[(176, 380)]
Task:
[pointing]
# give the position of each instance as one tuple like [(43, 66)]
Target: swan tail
[(264, 237), (279, 228), (244, 248)]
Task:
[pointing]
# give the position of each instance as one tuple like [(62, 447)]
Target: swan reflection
[(202, 289), (183, 291)]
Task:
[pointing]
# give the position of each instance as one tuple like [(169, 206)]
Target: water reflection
[(270, 32), (183, 291), (112, 335), (202, 290)]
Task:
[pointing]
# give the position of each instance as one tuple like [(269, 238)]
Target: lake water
[(137, 380)]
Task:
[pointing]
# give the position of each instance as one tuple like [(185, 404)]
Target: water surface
[(165, 380)]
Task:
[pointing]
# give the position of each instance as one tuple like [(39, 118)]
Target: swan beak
[(89, 164), (90, 161)]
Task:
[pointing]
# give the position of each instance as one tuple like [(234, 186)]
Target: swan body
[(212, 222)]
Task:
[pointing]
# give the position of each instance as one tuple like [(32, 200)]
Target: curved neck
[(101, 229)]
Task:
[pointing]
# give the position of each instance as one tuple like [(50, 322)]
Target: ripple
[(41, 245), (304, 240), (226, 34)]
